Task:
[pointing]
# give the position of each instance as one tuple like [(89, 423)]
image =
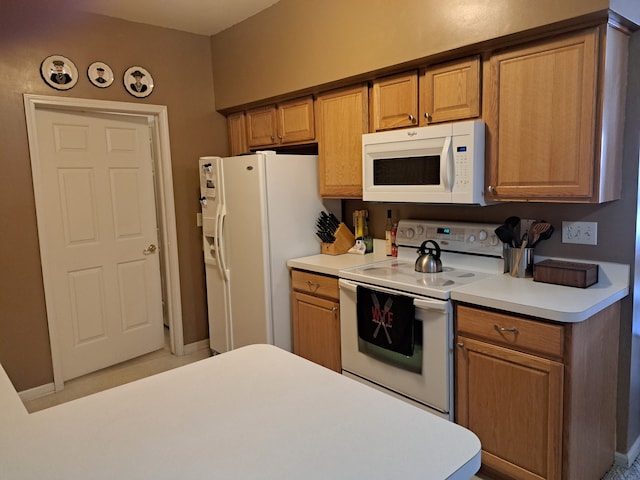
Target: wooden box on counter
[(572, 274)]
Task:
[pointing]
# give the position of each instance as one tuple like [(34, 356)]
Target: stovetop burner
[(401, 275)]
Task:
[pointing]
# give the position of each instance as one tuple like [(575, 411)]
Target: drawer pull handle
[(312, 285), (503, 329)]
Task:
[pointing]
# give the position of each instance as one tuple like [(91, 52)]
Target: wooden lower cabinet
[(540, 396), (316, 318), (515, 407)]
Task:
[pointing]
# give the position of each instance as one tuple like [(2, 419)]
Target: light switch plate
[(198, 219), (584, 233)]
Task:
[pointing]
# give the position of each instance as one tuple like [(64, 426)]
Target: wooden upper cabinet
[(237, 128), (553, 129), (450, 91), (341, 119), (261, 127), (295, 120), (286, 122), (394, 102)]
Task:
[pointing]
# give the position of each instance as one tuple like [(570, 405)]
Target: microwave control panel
[(461, 165)]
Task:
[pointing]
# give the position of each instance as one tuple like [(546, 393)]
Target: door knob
[(150, 249)]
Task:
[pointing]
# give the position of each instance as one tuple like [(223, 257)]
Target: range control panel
[(462, 237)]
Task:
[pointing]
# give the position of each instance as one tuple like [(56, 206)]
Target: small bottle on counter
[(387, 234), (394, 247)]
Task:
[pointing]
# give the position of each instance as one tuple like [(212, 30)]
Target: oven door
[(425, 377)]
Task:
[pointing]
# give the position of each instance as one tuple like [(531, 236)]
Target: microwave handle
[(446, 165)]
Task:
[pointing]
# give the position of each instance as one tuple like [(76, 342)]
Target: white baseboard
[(37, 392), (47, 388), (195, 346), (627, 459)]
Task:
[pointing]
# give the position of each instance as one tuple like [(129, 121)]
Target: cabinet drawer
[(518, 333), (315, 284)]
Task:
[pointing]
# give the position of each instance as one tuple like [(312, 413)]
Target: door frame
[(165, 206)]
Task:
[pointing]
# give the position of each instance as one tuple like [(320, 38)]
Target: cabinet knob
[(273, 138), (491, 189), (412, 119), (427, 116), (460, 345), (280, 137)]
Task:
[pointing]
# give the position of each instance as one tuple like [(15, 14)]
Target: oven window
[(423, 170), (411, 364)]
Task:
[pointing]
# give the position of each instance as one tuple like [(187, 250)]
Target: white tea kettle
[(429, 261)]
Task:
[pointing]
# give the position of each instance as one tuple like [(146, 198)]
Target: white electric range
[(469, 252)]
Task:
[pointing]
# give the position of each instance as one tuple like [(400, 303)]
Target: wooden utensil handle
[(514, 268)]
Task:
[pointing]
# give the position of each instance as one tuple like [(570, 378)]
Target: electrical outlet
[(198, 219), (585, 233)]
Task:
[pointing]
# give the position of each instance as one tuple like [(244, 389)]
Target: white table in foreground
[(253, 413)]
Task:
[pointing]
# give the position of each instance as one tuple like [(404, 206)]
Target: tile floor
[(162, 360), (144, 366)]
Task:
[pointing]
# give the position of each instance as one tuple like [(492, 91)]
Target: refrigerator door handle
[(220, 254)]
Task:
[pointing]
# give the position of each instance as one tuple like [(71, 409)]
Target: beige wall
[(300, 44), (303, 45), (181, 66)]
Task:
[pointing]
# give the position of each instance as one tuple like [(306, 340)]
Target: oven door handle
[(424, 303)]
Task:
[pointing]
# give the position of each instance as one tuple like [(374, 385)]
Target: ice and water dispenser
[(209, 202)]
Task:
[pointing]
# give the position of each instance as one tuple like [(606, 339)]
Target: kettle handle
[(423, 248)]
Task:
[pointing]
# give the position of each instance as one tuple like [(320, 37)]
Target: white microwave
[(434, 164)]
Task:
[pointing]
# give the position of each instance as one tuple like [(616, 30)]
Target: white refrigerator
[(258, 211)]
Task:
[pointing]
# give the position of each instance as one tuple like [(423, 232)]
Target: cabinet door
[(540, 112), (237, 133), (513, 402), (316, 330), (341, 119), (295, 121), (261, 126), (450, 91), (394, 102)]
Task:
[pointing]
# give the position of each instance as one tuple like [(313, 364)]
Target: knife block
[(343, 242)]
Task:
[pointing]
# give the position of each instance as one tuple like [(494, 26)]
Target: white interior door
[(97, 204)]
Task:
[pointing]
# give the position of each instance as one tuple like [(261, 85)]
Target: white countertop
[(503, 292), (332, 264), (546, 300), (257, 412)]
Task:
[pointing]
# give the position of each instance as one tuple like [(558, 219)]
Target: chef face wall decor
[(100, 74), (59, 72), (138, 82)]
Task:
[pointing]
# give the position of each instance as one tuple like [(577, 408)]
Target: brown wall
[(299, 44), (181, 67)]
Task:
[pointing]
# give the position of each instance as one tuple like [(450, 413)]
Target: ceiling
[(205, 17)]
